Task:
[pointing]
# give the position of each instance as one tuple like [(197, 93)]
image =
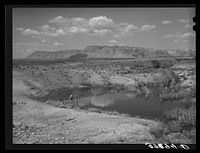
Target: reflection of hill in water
[(112, 97), (102, 101), (64, 93)]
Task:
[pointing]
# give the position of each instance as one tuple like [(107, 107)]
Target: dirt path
[(36, 122)]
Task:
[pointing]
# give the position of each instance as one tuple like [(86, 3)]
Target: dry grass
[(158, 131), (98, 110), (186, 117), (174, 95)]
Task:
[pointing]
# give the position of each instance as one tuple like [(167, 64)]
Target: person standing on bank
[(76, 97), (71, 98)]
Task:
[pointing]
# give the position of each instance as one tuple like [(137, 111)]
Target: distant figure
[(76, 98), (71, 98)]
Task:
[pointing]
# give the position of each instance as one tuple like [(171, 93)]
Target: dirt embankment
[(61, 76), (35, 122), (77, 74)]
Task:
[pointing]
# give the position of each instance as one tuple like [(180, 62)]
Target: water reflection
[(102, 101), (145, 103), (110, 99), (84, 101)]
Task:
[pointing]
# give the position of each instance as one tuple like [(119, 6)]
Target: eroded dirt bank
[(101, 73)]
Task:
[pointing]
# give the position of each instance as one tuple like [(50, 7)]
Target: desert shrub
[(158, 131), (99, 110), (109, 84), (174, 126), (166, 64), (193, 91), (155, 63), (92, 109), (111, 112), (168, 81), (185, 116), (86, 84), (191, 134), (174, 95)]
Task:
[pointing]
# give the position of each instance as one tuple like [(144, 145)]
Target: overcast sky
[(53, 29)]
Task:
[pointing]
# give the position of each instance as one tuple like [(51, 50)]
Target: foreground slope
[(35, 122)]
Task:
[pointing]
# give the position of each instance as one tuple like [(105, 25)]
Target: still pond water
[(112, 99)]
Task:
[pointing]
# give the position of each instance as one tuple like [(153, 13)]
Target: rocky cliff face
[(111, 52)]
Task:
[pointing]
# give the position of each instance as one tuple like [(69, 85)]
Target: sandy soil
[(36, 122)]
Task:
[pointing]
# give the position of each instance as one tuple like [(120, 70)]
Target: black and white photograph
[(104, 75)]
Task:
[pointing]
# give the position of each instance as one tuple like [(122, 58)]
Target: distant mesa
[(111, 52)]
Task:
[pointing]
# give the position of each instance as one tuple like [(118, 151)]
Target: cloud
[(184, 20), (125, 30), (179, 36), (71, 26), (58, 19), (46, 27), (147, 28), (115, 42), (122, 24), (75, 29), (94, 26), (61, 32), (187, 35), (58, 44), (101, 21), (169, 36), (166, 22), (27, 44), (188, 26), (45, 41), (129, 29), (30, 32), (81, 22), (101, 32), (19, 29), (36, 36), (46, 30), (92, 23), (184, 40)]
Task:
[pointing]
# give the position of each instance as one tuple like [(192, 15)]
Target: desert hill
[(111, 52)]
